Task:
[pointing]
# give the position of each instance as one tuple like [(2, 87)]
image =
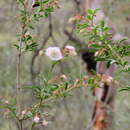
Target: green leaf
[(102, 24), (21, 1), (106, 29), (45, 1), (90, 17), (31, 26), (96, 46), (124, 89), (66, 85), (123, 40), (90, 11), (17, 46), (34, 44)]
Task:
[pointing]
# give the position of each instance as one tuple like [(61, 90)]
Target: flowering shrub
[(99, 39), (50, 88)]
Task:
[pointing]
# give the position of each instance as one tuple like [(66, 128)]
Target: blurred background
[(74, 112)]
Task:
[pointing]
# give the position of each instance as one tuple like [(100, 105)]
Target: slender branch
[(19, 86), (19, 89)]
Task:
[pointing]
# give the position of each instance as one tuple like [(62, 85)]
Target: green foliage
[(47, 92), (125, 89), (100, 39), (27, 18)]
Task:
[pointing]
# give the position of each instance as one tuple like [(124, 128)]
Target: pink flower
[(54, 53)]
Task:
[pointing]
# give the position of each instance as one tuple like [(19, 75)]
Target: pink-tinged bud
[(36, 119), (107, 78), (79, 17), (76, 18), (69, 50)]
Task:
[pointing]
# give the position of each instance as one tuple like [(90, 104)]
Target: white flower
[(54, 53), (36, 119), (70, 50)]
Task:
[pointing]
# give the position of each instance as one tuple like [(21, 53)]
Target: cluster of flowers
[(37, 118), (56, 54)]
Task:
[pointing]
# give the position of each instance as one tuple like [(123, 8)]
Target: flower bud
[(41, 52), (69, 50), (36, 119), (63, 77)]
